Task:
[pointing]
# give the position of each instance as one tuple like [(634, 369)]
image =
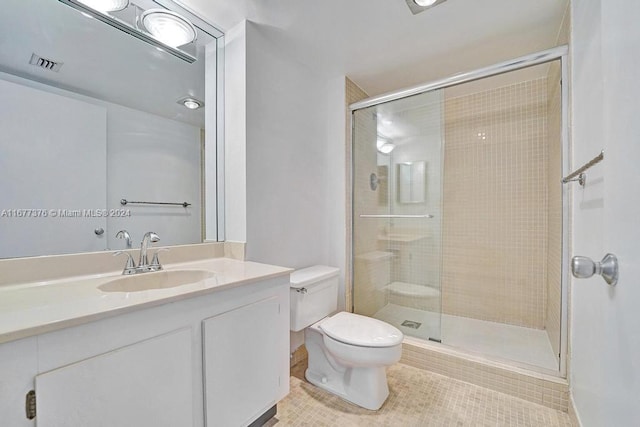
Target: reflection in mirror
[(92, 114), (412, 182)]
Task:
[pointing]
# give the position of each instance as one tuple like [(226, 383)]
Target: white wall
[(235, 133), (286, 155), (285, 163), (605, 335)]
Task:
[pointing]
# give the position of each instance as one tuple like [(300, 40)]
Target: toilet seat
[(362, 331)]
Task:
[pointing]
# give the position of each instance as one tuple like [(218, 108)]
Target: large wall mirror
[(98, 105)]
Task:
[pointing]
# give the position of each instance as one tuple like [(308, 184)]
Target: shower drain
[(411, 324)]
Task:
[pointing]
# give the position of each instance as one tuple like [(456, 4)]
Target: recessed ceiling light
[(168, 27), (191, 103), (106, 5), (424, 3)]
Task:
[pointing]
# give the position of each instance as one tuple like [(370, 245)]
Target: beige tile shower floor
[(417, 398)]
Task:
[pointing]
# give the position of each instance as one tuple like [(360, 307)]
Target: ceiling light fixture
[(386, 148), (191, 103), (384, 145), (105, 6)]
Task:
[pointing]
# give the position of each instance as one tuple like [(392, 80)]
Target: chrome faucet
[(149, 237), (143, 265), (124, 234)]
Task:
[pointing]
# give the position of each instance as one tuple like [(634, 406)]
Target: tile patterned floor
[(417, 398)]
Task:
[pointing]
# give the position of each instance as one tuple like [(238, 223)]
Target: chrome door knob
[(583, 267)]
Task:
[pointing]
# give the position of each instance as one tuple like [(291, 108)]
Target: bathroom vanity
[(209, 353)]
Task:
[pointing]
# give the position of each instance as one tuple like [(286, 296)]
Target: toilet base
[(366, 387)]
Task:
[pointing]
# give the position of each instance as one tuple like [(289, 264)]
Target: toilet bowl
[(348, 353)]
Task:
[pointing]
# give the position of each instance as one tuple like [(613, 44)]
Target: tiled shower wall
[(495, 205), (370, 273), (554, 212), (353, 93), (418, 261)]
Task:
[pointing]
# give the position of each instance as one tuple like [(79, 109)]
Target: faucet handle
[(155, 262), (124, 234), (130, 267)]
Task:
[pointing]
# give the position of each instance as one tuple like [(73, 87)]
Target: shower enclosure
[(459, 215)]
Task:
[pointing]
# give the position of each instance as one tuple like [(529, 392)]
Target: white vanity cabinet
[(241, 358), (218, 359)]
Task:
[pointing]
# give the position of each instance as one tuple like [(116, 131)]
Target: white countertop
[(34, 308)]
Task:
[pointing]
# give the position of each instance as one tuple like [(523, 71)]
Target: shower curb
[(531, 386)]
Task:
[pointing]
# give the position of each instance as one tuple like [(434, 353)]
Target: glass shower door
[(397, 205)]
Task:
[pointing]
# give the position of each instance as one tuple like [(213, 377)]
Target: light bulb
[(424, 3), (105, 6), (168, 27)]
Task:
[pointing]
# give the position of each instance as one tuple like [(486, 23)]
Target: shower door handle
[(397, 216)]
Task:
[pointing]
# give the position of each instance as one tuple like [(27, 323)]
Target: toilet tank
[(314, 295)]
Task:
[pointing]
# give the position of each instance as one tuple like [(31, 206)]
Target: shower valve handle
[(583, 267)]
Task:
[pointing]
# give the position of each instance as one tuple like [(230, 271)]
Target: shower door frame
[(560, 53)]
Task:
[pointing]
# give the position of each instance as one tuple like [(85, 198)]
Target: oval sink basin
[(155, 280)]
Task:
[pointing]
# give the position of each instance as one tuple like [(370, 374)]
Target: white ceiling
[(383, 47), (377, 43)]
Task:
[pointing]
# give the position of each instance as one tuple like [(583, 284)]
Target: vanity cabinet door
[(242, 363), (18, 365), (147, 384)]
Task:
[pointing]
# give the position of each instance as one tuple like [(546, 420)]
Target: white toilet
[(348, 353)]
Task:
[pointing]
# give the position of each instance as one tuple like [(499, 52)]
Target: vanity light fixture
[(191, 103), (168, 27), (105, 6), (161, 28)]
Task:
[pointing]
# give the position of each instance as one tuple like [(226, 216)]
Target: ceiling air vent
[(44, 63)]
